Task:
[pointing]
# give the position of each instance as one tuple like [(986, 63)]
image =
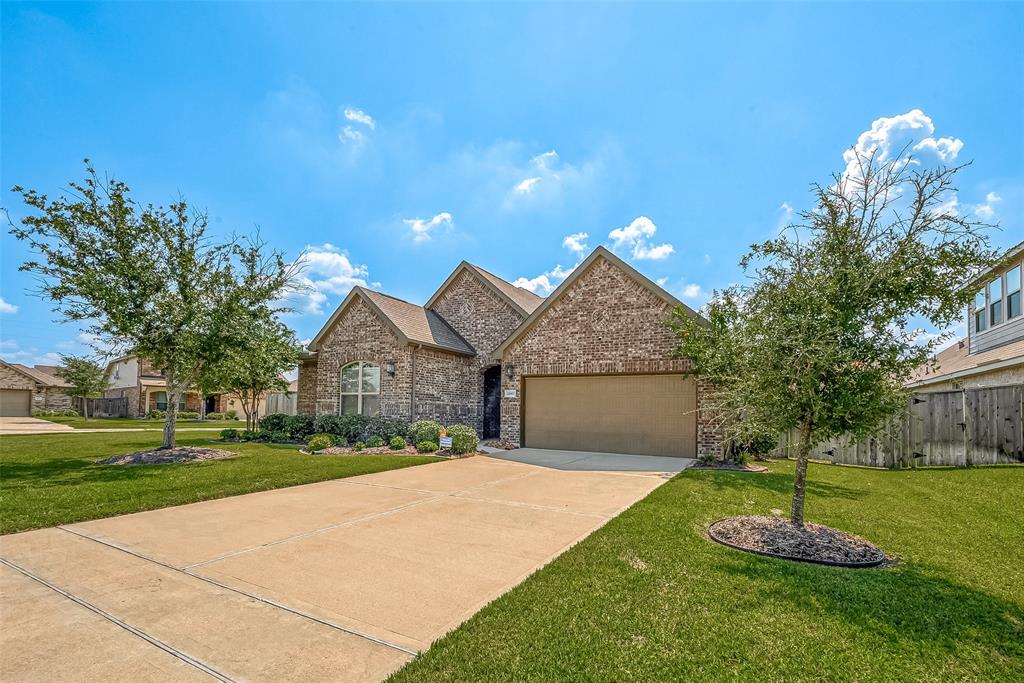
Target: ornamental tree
[(824, 337), (87, 378), (147, 280)]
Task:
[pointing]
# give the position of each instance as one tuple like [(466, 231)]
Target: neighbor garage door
[(639, 414), (15, 403)]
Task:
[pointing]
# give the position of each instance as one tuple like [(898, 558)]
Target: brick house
[(24, 389), (587, 368)]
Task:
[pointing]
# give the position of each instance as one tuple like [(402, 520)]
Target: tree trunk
[(170, 422), (803, 451), (85, 408)]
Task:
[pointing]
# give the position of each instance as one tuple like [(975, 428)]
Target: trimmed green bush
[(230, 434), (425, 430), (215, 416), (248, 435), (69, 412), (188, 415), (426, 446), (464, 439), (383, 427), (397, 443), (319, 442), (358, 446), (157, 414), (231, 414), (374, 442), (274, 422), (300, 427)]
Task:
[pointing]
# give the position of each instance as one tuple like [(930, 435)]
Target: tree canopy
[(148, 280), (826, 333), (87, 378)]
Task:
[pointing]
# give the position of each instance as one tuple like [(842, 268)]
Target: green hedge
[(464, 439)]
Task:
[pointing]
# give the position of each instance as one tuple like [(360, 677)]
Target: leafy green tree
[(148, 280), (87, 378), (824, 336), (252, 370)]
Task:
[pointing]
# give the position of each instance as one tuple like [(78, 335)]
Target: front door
[(492, 402)]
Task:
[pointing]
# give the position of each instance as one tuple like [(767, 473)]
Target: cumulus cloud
[(544, 177), (889, 135), (576, 243), (545, 283), (349, 134), (326, 270), (360, 116), (987, 210), (692, 291), (6, 307), (526, 186), (15, 353), (634, 238), (420, 228)]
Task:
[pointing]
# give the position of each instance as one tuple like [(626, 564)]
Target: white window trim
[(359, 383), (1004, 304)]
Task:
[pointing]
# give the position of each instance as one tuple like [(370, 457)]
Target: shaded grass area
[(54, 479), (137, 423), (649, 597)]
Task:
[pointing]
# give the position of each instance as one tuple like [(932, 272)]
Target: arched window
[(360, 389)]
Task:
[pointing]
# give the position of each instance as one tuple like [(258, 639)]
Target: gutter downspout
[(412, 383)]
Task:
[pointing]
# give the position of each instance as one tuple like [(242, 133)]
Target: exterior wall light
[(510, 370), (389, 366)]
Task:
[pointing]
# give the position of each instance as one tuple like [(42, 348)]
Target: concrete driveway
[(30, 425), (340, 580)]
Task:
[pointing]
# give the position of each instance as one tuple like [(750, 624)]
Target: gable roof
[(957, 361), (38, 375), (600, 252), (522, 300), (412, 324)]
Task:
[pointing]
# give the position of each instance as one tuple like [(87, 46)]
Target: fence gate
[(994, 427)]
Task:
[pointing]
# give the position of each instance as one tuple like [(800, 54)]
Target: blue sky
[(394, 141)]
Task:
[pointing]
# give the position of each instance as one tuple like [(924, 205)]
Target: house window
[(360, 389), (161, 401), (995, 301), (979, 312), (1013, 293)]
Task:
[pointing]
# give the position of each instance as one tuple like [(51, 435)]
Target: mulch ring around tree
[(776, 537), (166, 455), (729, 466)]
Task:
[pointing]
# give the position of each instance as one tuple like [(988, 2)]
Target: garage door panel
[(641, 414), (15, 403)]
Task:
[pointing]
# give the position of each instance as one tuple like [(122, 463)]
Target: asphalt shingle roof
[(418, 324), (526, 299)]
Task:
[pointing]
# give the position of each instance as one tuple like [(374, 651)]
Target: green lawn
[(54, 479), (137, 423), (648, 597)]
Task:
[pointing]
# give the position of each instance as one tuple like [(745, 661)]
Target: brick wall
[(12, 379), (307, 387), (606, 322), (50, 398), (484, 320)]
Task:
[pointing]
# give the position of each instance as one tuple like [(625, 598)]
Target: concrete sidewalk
[(14, 426), (339, 580)]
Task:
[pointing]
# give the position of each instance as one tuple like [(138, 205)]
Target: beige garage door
[(15, 403), (639, 414)]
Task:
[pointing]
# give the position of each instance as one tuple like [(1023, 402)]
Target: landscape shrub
[(230, 434), (273, 436), (383, 427), (69, 412), (275, 422), (300, 427), (231, 414), (188, 415), (464, 439), (156, 414), (358, 446), (319, 442), (248, 435), (374, 442), (215, 416), (348, 427), (397, 443), (425, 430), (426, 446)]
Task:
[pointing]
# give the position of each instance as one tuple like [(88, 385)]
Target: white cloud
[(692, 291), (326, 269), (420, 228), (14, 353), (576, 243), (6, 307), (662, 281), (634, 237), (545, 283), (360, 116), (526, 186), (889, 135), (349, 134), (987, 210)]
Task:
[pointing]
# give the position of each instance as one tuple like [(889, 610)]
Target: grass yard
[(54, 479), (648, 597), (137, 423)]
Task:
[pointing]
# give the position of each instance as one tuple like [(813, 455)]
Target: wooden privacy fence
[(960, 428), (282, 402), (105, 407)]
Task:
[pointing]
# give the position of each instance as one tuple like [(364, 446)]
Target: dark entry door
[(492, 402)]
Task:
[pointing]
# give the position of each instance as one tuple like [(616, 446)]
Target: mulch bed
[(346, 450), (730, 466), (497, 443), (776, 537), (166, 455)]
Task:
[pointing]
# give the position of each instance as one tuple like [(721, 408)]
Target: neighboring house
[(588, 368), (992, 354), (24, 389), (145, 388)]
